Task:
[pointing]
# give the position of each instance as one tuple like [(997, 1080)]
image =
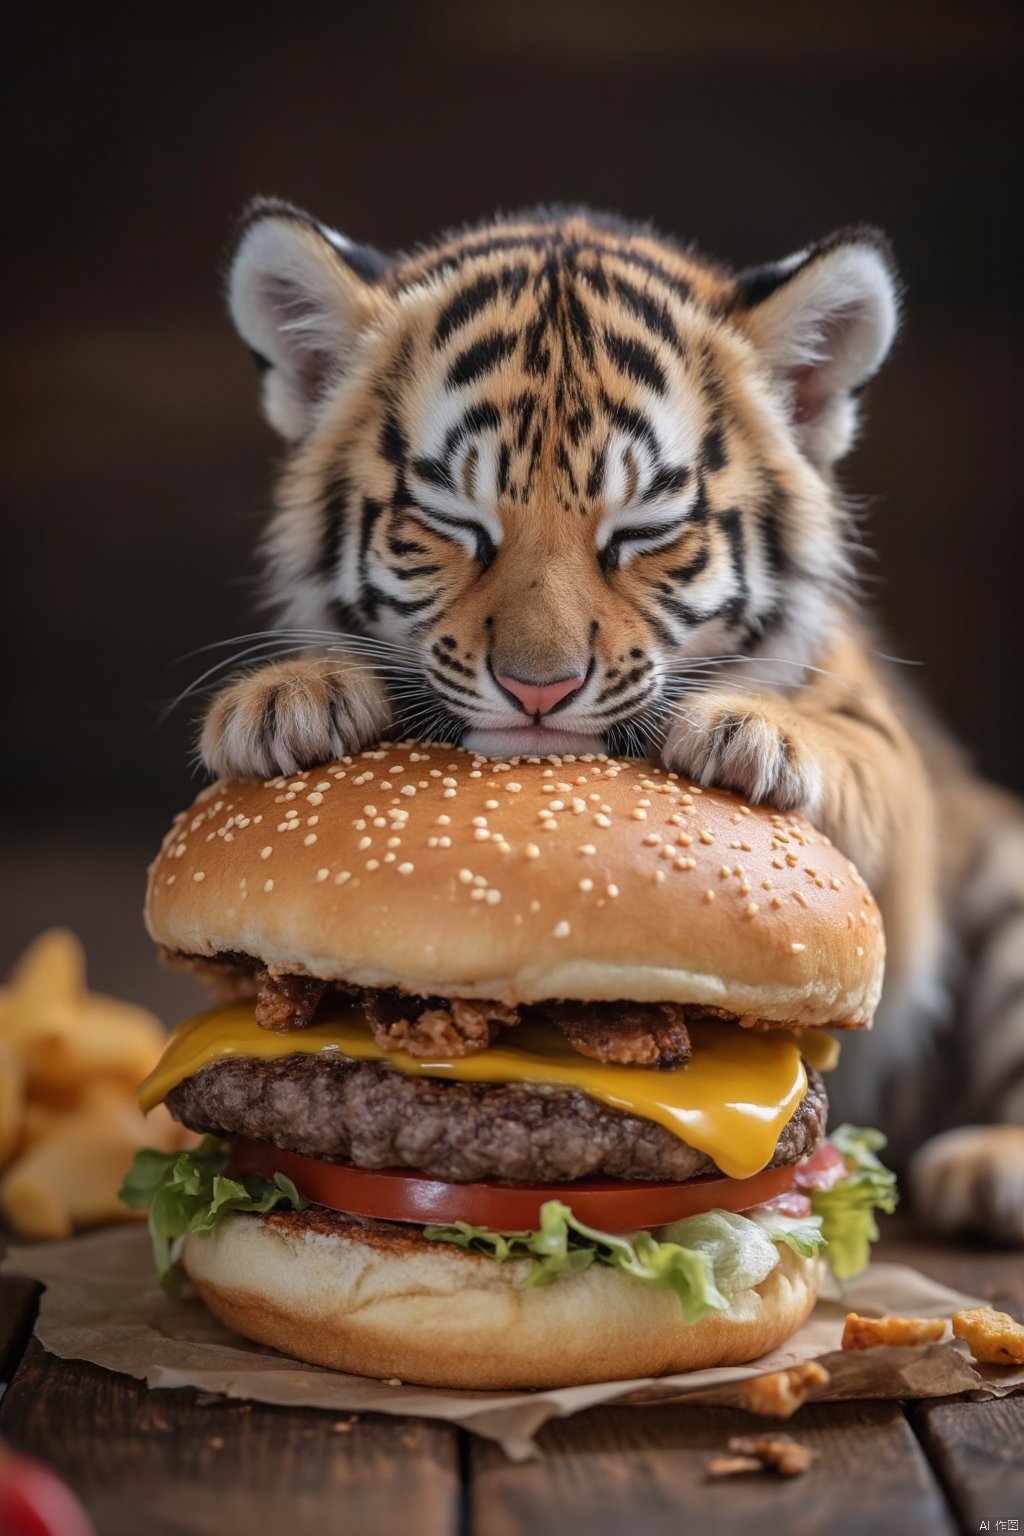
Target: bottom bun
[(379, 1300)]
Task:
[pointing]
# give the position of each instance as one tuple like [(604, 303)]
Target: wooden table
[(178, 1464)]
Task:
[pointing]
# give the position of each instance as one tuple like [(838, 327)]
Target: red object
[(825, 1167), (34, 1501), (613, 1205), (792, 1204)]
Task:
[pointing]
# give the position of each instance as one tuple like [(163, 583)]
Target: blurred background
[(137, 472)]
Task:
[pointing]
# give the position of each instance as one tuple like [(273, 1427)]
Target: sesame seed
[(586, 885), (797, 948), (800, 897), (477, 895), (638, 814), (535, 905), (684, 839), (745, 888), (513, 788), (709, 897), (776, 901), (200, 874), (444, 842), (752, 909), (444, 821), (364, 843), (372, 864), (268, 885), (481, 834), (266, 852), (707, 837), (493, 897), (587, 848), (309, 839), (684, 864), (323, 785), (651, 840), (601, 820), (532, 851), (491, 805), (342, 876), (502, 846), (659, 876), (316, 798), (322, 874), (405, 869), (860, 949), (561, 930), (612, 891), (724, 872), (448, 794)]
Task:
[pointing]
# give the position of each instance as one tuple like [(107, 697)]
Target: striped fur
[(556, 448)]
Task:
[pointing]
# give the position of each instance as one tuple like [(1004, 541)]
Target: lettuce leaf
[(704, 1260), (188, 1192), (847, 1210)]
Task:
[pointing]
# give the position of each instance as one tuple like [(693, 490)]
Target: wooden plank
[(977, 1451), (645, 1470), (171, 1465), (18, 1300)]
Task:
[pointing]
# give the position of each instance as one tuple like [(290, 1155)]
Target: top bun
[(594, 878)]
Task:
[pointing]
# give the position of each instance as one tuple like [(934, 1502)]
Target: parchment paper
[(101, 1304)]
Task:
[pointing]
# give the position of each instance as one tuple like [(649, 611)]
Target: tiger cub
[(565, 486)]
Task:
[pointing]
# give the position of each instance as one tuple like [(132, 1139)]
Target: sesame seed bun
[(597, 879), (382, 1301)]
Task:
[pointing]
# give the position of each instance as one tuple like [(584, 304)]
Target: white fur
[(295, 303), (837, 318)]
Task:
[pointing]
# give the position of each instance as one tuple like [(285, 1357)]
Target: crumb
[(216, 1442), (992, 1337), (866, 1332), (759, 1453), (342, 1426), (781, 1393), (391, 1381)]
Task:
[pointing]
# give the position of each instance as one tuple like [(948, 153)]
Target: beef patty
[(368, 1114)]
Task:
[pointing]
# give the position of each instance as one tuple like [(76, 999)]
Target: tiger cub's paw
[(972, 1180), (732, 742), (291, 715)]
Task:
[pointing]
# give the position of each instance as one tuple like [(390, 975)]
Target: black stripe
[(646, 308), (579, 323), (692, 568), (667, 481), (332, 531), (637, 361), (481, 358), (677, 285), (466, 304), (629, 420), (449, 682), (849, 712)]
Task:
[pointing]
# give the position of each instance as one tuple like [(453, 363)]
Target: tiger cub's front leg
[(290, 715), (837, 754)]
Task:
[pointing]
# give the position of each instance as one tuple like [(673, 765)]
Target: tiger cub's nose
[(540, 698)]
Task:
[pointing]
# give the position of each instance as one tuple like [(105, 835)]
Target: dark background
[(136, 471)]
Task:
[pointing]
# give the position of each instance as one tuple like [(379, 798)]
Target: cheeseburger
[(516, 1079)]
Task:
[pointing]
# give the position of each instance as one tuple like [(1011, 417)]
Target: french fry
[(100, 1037), (70, 1178), (70, 1061), (49, 976), (12, 1101)]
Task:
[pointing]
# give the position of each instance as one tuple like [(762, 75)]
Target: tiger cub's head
[(559, 462)]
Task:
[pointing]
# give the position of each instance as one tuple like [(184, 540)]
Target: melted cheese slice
[(732, 1100)]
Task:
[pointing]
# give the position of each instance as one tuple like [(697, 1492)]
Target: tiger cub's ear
[(824, 320), (300, 296)]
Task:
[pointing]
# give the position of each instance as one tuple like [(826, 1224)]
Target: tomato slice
[(613, 1205)]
